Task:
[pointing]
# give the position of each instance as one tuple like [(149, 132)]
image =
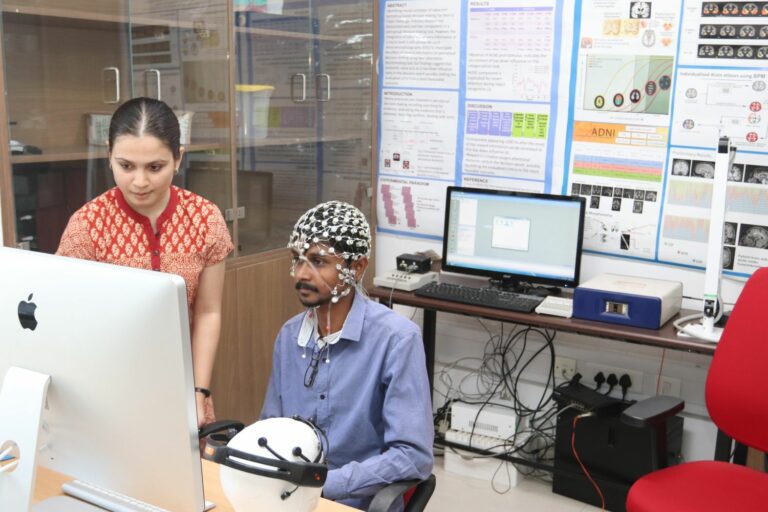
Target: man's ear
[(359, 265)]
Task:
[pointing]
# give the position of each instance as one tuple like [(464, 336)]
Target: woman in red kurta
[(145, 222)]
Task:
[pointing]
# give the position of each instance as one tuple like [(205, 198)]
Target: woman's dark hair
[(146, 116)]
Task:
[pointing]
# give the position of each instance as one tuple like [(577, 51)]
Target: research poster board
[(470, 94), (621, 102)]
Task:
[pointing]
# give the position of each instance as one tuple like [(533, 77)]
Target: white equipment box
[(493, 421), (407, 281), (494, 430)]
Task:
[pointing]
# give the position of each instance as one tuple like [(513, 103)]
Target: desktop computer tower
[(615, 454)]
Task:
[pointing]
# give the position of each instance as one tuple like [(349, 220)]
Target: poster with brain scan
[(621, 102), (657, 83)]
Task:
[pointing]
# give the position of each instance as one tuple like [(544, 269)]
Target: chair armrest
[(386, 496), (652, 411)]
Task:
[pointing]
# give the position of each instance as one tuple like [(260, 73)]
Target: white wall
[(458, 337)]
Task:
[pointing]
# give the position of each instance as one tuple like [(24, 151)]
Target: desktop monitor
[(120, 410), (515, 237)]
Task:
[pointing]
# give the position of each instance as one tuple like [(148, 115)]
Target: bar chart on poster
[(619, 101)]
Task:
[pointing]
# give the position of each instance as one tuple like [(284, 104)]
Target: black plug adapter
[(625, 382), (599, 379)]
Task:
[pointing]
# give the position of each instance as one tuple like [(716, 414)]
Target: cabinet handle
[(327, 88), (303, 88), (117, 83), (157, 74)]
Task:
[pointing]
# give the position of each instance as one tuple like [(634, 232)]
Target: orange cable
[(583, 468)]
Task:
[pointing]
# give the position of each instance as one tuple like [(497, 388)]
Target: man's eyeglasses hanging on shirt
[(311, 373)]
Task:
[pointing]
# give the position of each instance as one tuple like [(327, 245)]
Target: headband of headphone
[(306, 474), (320, 435)]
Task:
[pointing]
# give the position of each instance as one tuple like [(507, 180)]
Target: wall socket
[(565, 368), (589, 370), (669, 386)]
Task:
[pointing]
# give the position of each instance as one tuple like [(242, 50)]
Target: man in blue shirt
[(354, 367)]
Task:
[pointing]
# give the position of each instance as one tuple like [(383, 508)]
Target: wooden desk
[(666, 337), (49, 485)]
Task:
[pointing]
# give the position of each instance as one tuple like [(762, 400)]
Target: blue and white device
[(627, 300)]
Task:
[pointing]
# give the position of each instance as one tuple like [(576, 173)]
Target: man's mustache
[(301, 285)]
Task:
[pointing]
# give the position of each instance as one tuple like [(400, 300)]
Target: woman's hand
[(205, 412)]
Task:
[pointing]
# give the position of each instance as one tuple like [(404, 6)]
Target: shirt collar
[(350, 331), (353, 326)]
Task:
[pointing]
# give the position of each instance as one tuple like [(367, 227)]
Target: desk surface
[(666, 337), (49, 484)]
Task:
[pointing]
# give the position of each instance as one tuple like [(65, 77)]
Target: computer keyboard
[(557, 306), (110, 500), (489, 297)]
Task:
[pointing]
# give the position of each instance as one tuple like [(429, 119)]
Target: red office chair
[(737, 400)]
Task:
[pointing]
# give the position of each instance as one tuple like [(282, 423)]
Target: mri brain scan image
[(757, 175), (727, 31), (725, 51), (729, 233), (755, 236), (728, 258), (745, 52), (708, 31), (747, 32), (736, 172), (681, 168), (703, 170), (749, 9), (640, 10)]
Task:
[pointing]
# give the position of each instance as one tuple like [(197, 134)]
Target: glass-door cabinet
[(303, 72), (70, 63), (273, 97)]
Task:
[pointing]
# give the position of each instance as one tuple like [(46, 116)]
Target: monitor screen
[(120, 409), (514, 236)]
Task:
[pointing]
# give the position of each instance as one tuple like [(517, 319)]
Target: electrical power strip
[(488, 420), (471, 465)]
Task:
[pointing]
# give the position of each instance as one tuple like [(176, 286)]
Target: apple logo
[(27, 314)]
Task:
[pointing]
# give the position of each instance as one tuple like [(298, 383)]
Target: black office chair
[(417, 501)]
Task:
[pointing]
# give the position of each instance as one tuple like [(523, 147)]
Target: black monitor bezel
[(508, 276)]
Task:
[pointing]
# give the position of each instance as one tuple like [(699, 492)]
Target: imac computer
[(112, 346), (517, 238)]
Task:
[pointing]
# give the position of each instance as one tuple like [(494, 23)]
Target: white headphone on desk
[(277, 464)]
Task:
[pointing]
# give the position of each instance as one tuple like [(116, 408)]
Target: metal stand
[(706, 330), (21, 406)]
